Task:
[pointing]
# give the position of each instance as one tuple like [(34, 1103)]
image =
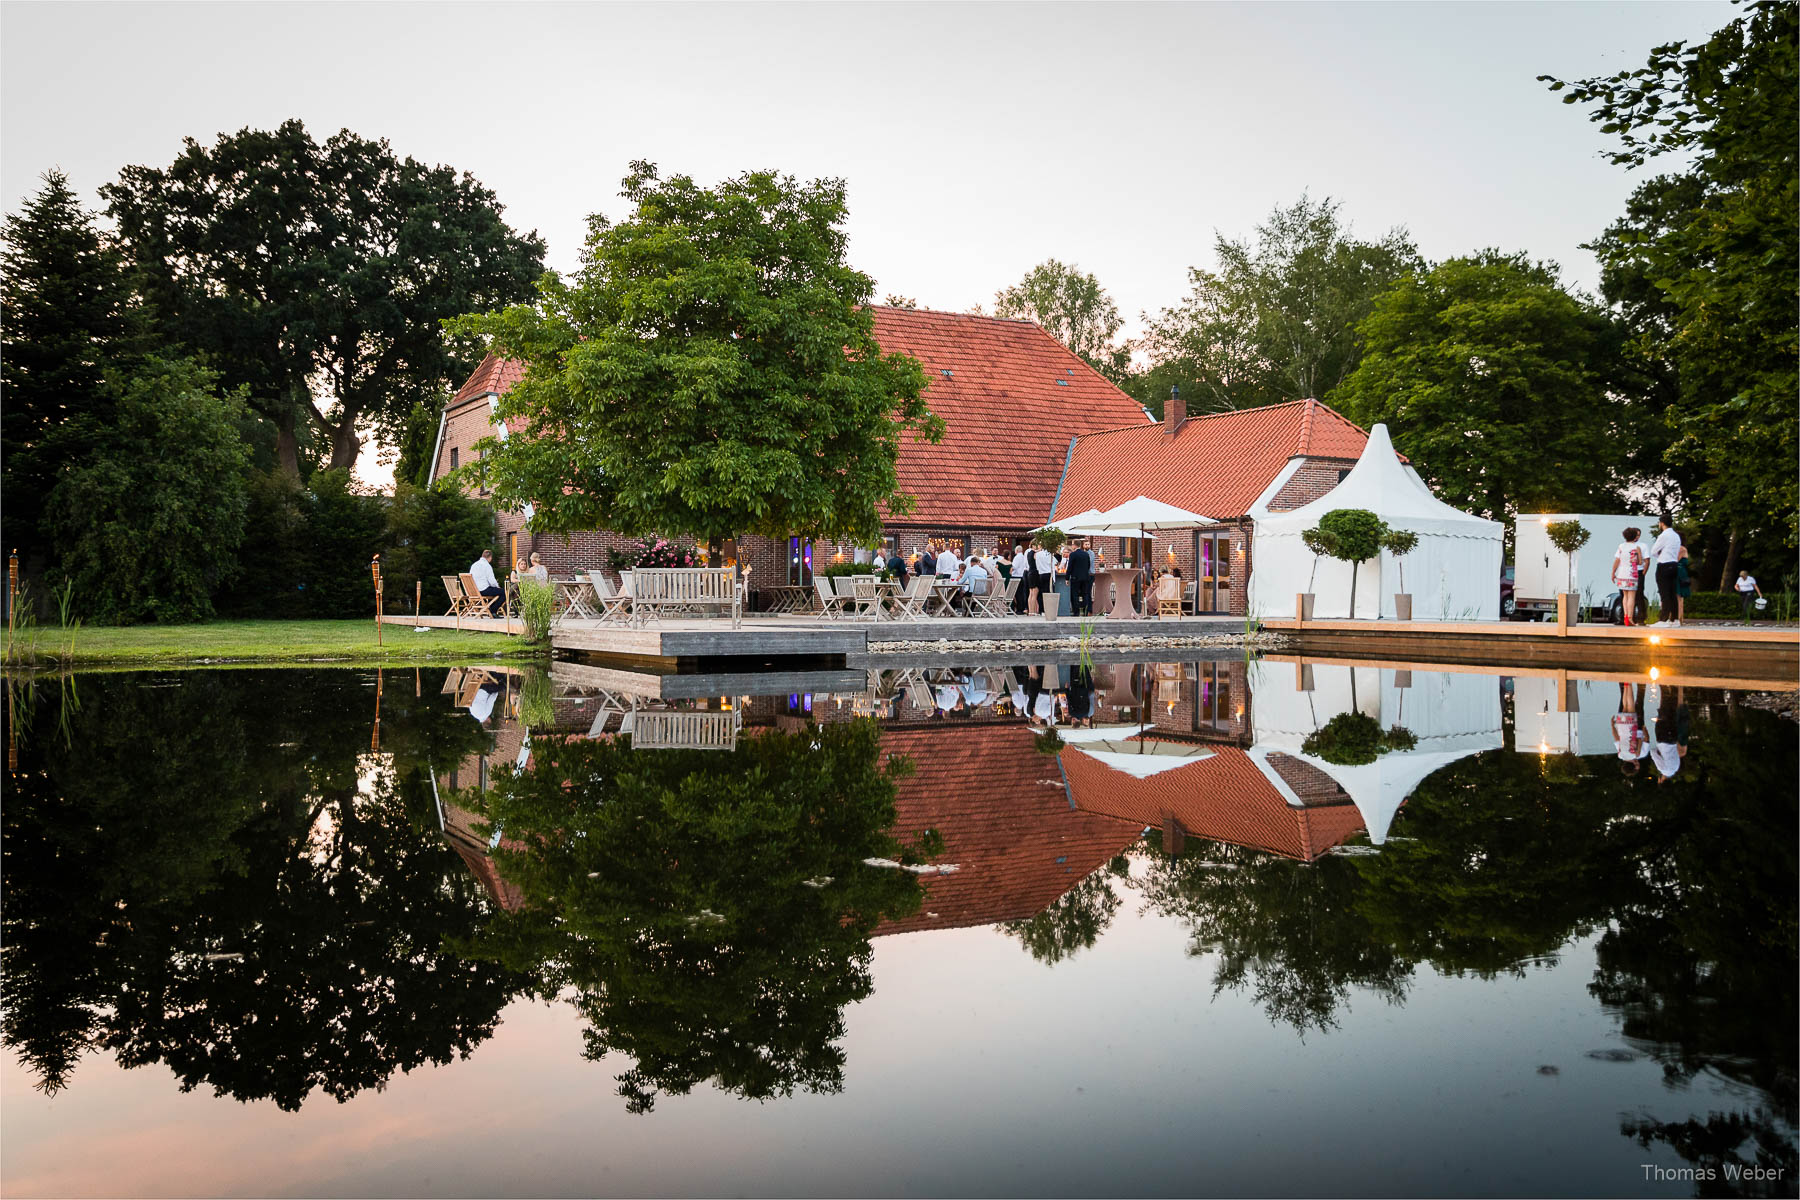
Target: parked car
[(1509, 608)]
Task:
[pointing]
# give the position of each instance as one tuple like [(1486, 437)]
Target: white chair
[(615, 606), (865, 596), (910, 604), (830, 605)]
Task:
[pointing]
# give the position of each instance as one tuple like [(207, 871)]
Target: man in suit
[(896, 566), (1081, 580)]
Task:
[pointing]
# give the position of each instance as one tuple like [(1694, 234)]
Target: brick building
[(1012, 399), (1233, 467)]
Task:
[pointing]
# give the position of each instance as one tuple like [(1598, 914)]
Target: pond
[(1061, 928)]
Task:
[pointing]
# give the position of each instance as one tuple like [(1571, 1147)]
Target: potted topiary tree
[(1322, 545), (1568, 537), (1400, 543), (1351, 535)]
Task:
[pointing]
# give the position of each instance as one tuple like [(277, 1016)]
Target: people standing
[(1746, 588), (1665, 552), (928, 558), (1684, 585), (1021, 571), (1043, 566), (1628, 730), (1627, 564), (896, 566), (1671, 734), (948, 564), (486, 582), (1081, 580)]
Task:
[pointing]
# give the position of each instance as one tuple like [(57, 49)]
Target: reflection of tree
[(1289, 931), (223, 816), (712, 910), (1491, 865), (1700, 963), (1075, 922)]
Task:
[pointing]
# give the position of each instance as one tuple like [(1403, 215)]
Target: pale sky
[(976, 140)]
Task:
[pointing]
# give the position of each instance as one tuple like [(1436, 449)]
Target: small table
[(578, 598), (944, 593), (1121, 579)]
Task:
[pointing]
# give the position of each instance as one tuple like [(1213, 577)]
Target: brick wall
[(1313, 479)]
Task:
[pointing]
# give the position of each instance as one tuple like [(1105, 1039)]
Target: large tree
[(1721, 241), (1072, 306), (1499, 385), (1278, 320), (317, 275), (711, 370), (68, 316)]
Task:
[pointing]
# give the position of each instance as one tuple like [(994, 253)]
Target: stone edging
[(1258, 641)]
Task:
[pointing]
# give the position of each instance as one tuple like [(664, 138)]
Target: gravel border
[(1256, 641)]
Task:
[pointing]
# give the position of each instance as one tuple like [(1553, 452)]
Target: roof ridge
[(1230, 412), (973, 316), (1306, 424)]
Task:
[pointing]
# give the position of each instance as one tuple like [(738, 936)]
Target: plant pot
[(1052, 604), (1402, 606), (1306, 606)]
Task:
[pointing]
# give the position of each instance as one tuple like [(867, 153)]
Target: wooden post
[(1564, 610), (1299, 607), (375, 574), (375, 737), (12, 589)]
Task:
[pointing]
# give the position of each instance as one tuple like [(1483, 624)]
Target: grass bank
[(254, 642)]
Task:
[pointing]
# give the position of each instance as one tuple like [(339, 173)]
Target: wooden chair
[(460, 606), (830, 605), (1168, 597), (998, 602), (615, 606), (452, 682), (865, 597), (476, 603), (910, 604), (1190, 597)]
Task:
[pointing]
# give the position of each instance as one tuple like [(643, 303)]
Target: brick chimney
[(1174, 413)]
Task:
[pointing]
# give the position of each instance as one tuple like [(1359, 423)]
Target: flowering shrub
[(659, 553)]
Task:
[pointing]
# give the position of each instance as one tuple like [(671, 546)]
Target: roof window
[(947, 373), (1062, 383)]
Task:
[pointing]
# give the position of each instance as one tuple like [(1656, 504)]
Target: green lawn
[(260, 641)]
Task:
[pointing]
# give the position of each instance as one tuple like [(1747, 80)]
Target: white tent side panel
[(1453, 574)]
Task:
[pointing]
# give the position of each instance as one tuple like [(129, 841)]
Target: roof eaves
[(1068, 458)]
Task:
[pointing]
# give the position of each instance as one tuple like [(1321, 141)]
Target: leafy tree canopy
[(149, 522), (1704, 262), (1279, 318), (1072, 306), (1498, 384), (710, 371), (316, 274)]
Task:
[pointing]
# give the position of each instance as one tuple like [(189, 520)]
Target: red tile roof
[(1013, 398), (492, 375), (1006, 822), (1216, 465), (1224, 798)]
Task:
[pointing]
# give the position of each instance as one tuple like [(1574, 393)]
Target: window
[(1343, 475), (800, 562), (453, 458)]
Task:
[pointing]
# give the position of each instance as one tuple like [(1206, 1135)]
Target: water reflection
[(248, 877)]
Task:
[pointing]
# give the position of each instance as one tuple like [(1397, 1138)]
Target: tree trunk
[(1355, 569), (345, 445), (287, 446), (1731, 555)]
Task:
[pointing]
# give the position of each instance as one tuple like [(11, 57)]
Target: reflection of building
[(1267, 802), (1008, 828)]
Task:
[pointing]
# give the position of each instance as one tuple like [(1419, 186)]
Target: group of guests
[(1037, 568), (488, 584), (1664, 743), (1045, 695)]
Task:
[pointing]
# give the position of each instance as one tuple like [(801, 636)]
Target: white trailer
[(1542, 725), (1540, 570)]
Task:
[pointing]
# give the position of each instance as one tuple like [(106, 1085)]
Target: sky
[(976, 140)]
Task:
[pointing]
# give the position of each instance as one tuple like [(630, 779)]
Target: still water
[(1203, 927)]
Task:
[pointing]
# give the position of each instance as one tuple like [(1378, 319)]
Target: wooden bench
[(680, 589)]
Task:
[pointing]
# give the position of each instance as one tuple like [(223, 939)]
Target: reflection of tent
[(1453, 715), (1452, 574), (1540, 727)]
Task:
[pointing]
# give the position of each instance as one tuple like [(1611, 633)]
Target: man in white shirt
[(1021, 568), (975, 582), (482, 569), (1665, 551), (1045, 564), (947, 563)]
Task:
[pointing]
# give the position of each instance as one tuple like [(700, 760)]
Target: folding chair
[(910, 604), (998, 601), (453, 588), (865, 597), (830, 605), (476, 604), (452, 682), (615, 606), (918, 694)]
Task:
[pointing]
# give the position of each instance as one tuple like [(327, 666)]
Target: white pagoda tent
[(1453, 574)]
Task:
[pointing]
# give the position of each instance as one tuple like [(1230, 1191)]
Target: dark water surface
[(1153, 928)]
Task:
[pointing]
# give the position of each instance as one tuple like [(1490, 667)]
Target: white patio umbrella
[(1142, 514), (1074, 524)]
